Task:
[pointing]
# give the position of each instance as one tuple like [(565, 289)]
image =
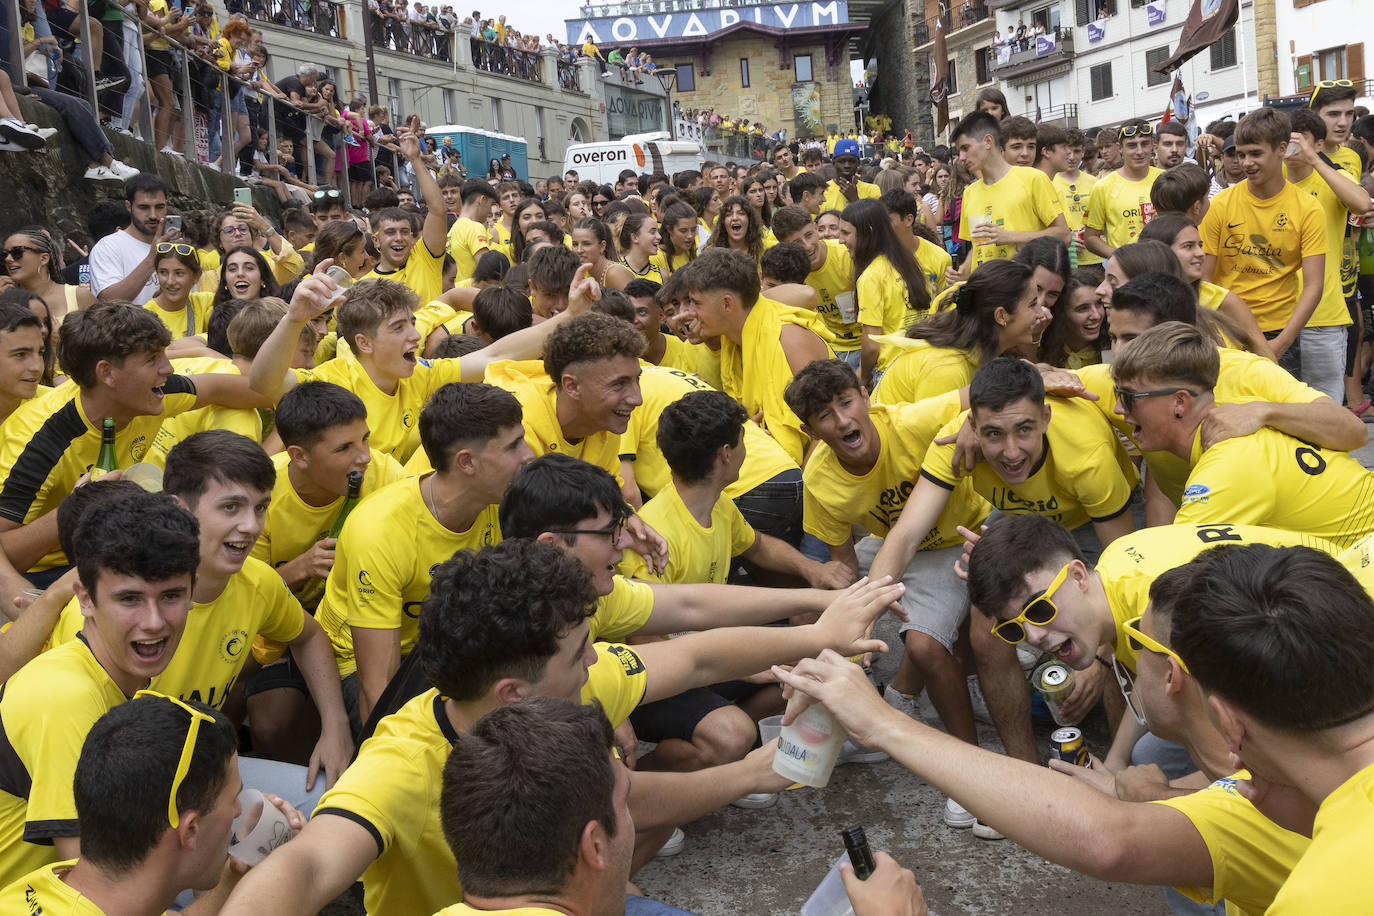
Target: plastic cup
[(146, 474), (260, 828), (769, 728)]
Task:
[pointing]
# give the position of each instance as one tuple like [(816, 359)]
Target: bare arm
[(1114, 528), (705, 606), (25, 545), (271, 374), (303, 875), (922, 509), (802, 347), (1095, 240), (668, 799), (378, 655), (780, 556), (315, 656), (868, 354), (1058, 229), (1234, 308)]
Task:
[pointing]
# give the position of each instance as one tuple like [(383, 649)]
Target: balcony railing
[(1065, 116), (971, 12), (568, 76), (1033, 52), (507, 61), (322, 17)]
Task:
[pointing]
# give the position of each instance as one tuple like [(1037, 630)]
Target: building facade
[(1314, 44), (968, 28)]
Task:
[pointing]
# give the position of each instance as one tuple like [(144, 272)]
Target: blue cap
[(846, 147)]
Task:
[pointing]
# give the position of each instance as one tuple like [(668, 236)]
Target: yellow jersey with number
[(1023, 200), (1120, 207)]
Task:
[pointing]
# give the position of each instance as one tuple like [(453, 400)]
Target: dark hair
[(493, 265), (1165, 227), (455, 345), (1017, 127), (642, 288), (1172, 128), (78, 502), (675, 213), (603, 235), (1011, 550), (874, 238), (295, 219), (805, 182), (381, 199), (693, 428), (1364, 128), (216, 454), (725, 270), (976, 125), (500, 311), (553, 268), (1329, 94), (143, 183), (789, 219), (148, 535), (517, 232), (368, 305), (500, 612), (1306, 120), (1159, 296), (108, 330), (558, 491), (15, 312), (990, 94), (1048, 252), (587, 337), (1284, 633), (269, 280), (106, 218), (1147, 257), (1054, 344), (615, 304), (41, 239), (519, 790), (970, 325), (477, 187), (631, 227), (817, 384), (465, 413), (1002, 382), (753, 227), (125, 773), (765, 213), (786, 262), (308, 409), (217, 326), (336, 236)]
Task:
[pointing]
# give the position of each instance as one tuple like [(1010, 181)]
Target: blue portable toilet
[(478, 146)]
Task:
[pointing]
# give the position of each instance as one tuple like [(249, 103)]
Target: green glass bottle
[(355, 486), (106, 461)]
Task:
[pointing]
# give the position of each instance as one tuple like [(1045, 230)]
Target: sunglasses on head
[(327, 193), (1328, 84), (1039, 610), (1144, 130), (180, 248)]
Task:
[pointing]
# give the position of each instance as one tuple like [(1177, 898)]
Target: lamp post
[(667, 78)]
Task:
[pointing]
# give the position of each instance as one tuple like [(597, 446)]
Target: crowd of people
[(388, 513)]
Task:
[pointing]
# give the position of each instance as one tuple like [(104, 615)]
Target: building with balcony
[(968, 28)]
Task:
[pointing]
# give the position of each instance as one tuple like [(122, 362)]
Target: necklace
[(434, 510)]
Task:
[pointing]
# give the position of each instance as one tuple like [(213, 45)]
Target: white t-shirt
[(114, 257)]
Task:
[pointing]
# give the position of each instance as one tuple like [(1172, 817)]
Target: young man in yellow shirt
[(468, 239), (502, 624), (1007, 205), (138, 558), (1165, 380), (1061, 157), (1265, 241), (1119, 205), (21, 356), (410, 256), (832, 277), (846, 187)]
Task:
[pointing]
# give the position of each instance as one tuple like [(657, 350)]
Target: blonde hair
[(1170, 352), (251, 327)]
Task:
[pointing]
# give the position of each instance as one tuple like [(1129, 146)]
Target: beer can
[(1054, 681), (1067, 744)]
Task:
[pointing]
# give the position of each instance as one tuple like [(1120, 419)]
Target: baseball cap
[(1229, 145), (846, 147)]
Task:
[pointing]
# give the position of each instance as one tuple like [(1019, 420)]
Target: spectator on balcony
[(1020, 35), (589, 49), (291, 118), (1101, 11), (358, 132)]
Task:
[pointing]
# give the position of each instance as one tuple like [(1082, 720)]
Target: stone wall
[(903, 81)]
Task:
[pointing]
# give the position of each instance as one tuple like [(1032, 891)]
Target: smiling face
[(29, 265), (598, 552), (606, 391), (1048, 286), (1188, 247), (243, 276), (587, 246), (828, 224), (1074, 634), (394, 240), (21, 362), (1085, 314), (847, 235), (736, 222), (1154, 420), (233, 232), (1137, 151), (529, 216), (231, 516), (1024, 326), (1020, 150), (175, 281), (392, 349), (133, 625), (1013, 438), (846, 426), (646, 240), (137, 382), (1259, 161)]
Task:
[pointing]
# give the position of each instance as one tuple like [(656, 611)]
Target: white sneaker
[(854, 752), (171, 152), (12, 130), (984, 832), (903, 703), (957, 816), (47, 133), (979, 702), (674, 845), (122, 170), (101, 173), (756, 800)]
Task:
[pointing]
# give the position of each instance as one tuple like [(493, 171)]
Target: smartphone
[(243, 196), (172, 224)]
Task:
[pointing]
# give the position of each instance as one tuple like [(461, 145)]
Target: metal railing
[(323, 17), (506, 60), (957, 17), (412, 36), (1058, 44), (568, 76)]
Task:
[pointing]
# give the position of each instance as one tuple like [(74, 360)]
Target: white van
[(603, 162)]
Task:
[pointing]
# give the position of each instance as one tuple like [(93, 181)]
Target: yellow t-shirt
[(158, 8), (292, 527), (41, 749), (1329, 878), (393, 418), (703, 362), (423, 272), (764, 458), (834, 286), (242, 420), (467, 239), (933, 261), (1130, 564), (676, 354), (1083, 473), (835, 199), (695, 553), (1348, 161), (42, 892), (1073, 195), (921, 371), (1023, 200), (651, 271), (1211, 296), (1251, 855), (1243, 377), (834, 500), (1121, 207), (1269, 478), (382, 562), (431, 315), (49, 443), (529, 383), (884, 302), (1259, 246), (1331, 311), (189, 321)]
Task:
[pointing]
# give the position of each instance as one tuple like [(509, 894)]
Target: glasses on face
[(1039, 610), (1328, 84), (1138, 641), (613, 531), (1126, 681), (241, 228), (327, 194), (187, 749), (180, 248), (1129, 397), (1143, 130), (17, 252)]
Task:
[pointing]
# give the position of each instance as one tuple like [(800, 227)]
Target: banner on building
[(1208, 21), (806, 108), (939, 78), (1044, 44), (1154, 13), (619, 30), (1096, 32)]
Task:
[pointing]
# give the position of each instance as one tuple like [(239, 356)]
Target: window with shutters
[(982, 65), (1223, 51), (1354, 62), (1087, 11), (686, 78), (1302, 72), (1331, 64), (1153, 57), (1101, 77)]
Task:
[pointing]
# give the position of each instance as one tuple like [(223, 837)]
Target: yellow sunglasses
[(1139, 640), (1144, 130), (187, 749), (180, 248), (1328, 84), (1039, 610)]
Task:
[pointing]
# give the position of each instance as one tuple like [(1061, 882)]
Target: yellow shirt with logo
[(703, 362), (764, 458), (186, 322), (50, 443), (834, 500), (1251, 855), (467, 239), (1023, 200), (534, 389), (834, 286), (41, 748), (292, 526), (696, 553), (423, 272), (1130, 564), (1259, 246), (1073, 195), (1348, 161), (242, 420), (1301, 487), (921, 371), (393, 418), (1083, 473), (392, 789), (933, 261), (1330, 877), (42, 892), (1120, 207), (1331, 310), (1243, 377), (382, 564), (835, 199)]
